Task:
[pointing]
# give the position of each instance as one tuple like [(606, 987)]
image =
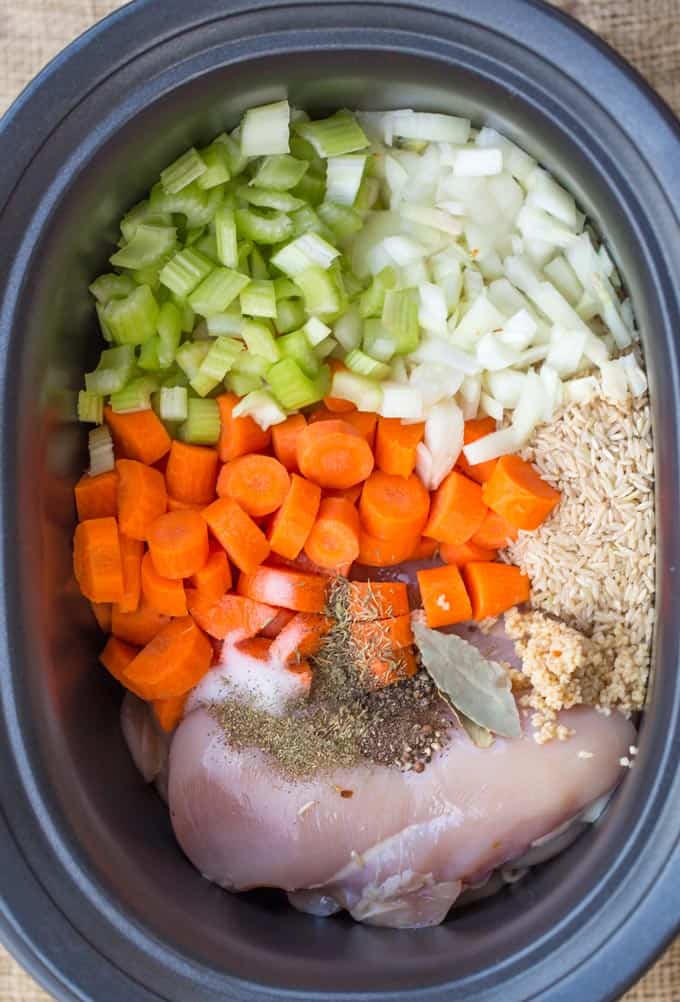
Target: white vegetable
[(491, 407), (348, 330), (498, 443), (436, 349), (545, 193), (530, 410), (435, 382), (515, 160), (395, 176), (100, 448), (443, 439), (563, 277), (437, 219), (580, 391), (398, 401), (614, 381), (535, 224), (566, 350), (493, 354), (403, 250), (432, 312), (343, 178), (477, 163), (426, 126), (469, 396), (364, 393), (481, 318), (637, 380), (518, 332), (506, 386), (261, 407)]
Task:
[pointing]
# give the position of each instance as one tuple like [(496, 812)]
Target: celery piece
[(306, 220), (353, 285), (190, 355), (296, 346), (183, 171), (245, 249), (368, 194), (172, 404), (325, 348), (151, 275), (103, 326), (174, 378), (304, 252), (100, 448), (372, 299), (149, 355), (216, 160), (251, 365), (265, 130), (261, 229), (202, 426), (366, 394), (111, 286), (259, 299), (133, 320), (342, 220), (291, 387), (220, 358), (347, 329), (207, 246), (269, 198), (169, 327), (217, 291), (191, 202), (184, 271), (290, 313), (262, 408), (320, 291), (316, 331), (377, 340), (136, 396), (202, 214), (142, 212), (258, 266), (225, 235), (187, 315), (400, 317), (285, 288), (303, 150), (260, 340), (343, 178), (280, 172), (145, 248), (334, 136), (90, 408), (202, 384), (311, 189), (113, 371), (228, 323), (361, 363), (242, 383), (236, 161), (194, 235)]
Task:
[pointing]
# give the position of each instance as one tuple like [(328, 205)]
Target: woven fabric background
[(646, 32)]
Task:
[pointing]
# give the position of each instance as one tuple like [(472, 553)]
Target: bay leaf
[(480, 736), (478, 688)]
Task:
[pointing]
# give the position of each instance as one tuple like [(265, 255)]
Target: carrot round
[(445, 599), (284, 440), (495, 588), (293, 522), (425, 549), (334, 539), (494, 533), (336, 404), (169, 712), (351, 494), (191, 473), (97, 563), (172, 663), (141, 497), (97, 497), (102, 613), (333, 454), (141, 435), (365, 423), (370, 600), (395, 446), (117, 656), (400, 665), (137, 627), (301, 637), (178, 543), (289, 589), (131, 551), (473, 430), (258, 648), (165, 595), (258, 483), (517, 493), (244, 541), (231, 616), (240, 435), (174, 505), (374, 552), (393, 507), (280, 620), (212, 580), (457, 510), (465, 553), (394, 632)]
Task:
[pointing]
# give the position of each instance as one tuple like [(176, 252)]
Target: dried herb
[(480, 736)]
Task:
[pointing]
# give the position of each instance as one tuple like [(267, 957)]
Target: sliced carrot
[(102, 613), (464, 553), (365, 423), (369, 600), (400, 665), (336, 404), (213, 580), (393, 507), (244, 541), (301, 638), (231, 616), (374, 552), (165, 595), (191, 473), (97, 497), (141, 435), (495, 588), (175, 505), (137, 627), (97, 563), (117, 656), (517, 493), (280, 620), (240, 435), (457, 510), (351, 494), (425, 549), (333, 454), (169, 712), (178, 543), (284, 440), (396, 445), (394, 632), (293, 522), (494, 533), (303, 563), (478, 428), (289, 589), (258, 648), (141, 497), (258, 483), (334, 539), (445, 599), (131, 551), (172, 663)]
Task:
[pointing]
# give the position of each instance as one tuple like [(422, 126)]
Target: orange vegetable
[(457, 510), (212, 580), (351, 494), (464, 553), (401, 664), (280, 620), (303, 563), (102, 613), (289, 589), (258, 483), (395, 446), (495, 588), (333, 454), (336, 404), (374, 552), (175, 505), (165, 595), (172, 663), (300, 638), (97, 497), (425, 549), (370, 600), (141, 435), (494, 533), (178, 543), (445, 599), (97, 562), (284, 440), (141, 497), (244, 541), (293, 522), (131, 551), (258, 648), (191, 473), (117, 657), (169, 712), (393, 507), (517, 493), (334, 539), (394, 632), (231, 616), (137, 627), (365, 423), (478, 428), (238, 436)]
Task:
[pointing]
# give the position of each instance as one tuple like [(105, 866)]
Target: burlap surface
[(647, 32)]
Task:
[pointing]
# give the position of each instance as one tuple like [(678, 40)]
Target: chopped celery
[(361, 363), (149, 355), (133, 320), (290, 313), (111, 286), (400, 317), (368, 194), (236, 161), (353, 285), (347, 329), (169, 327), (100, 448), (173, 403), (316, 331), (365, 394), (303, 150), (265, 130), (175, 378), (377, 341), (306, 220), (285, 288), (217, 291), (261, 229), (190, 356), (207, 246), (151, 275), (230, 322), (194, 235), (216, 160), (113, 371), (311, 189), (258, 266), (242, 383), (280, 172), (145, 248), (291, 387), (259, 299), (183, 171), (296, 346), (135, 396), (90, 408), (262, 408), (325, 348), (185, 270), (334, 136), (260, 340), (320, 291), (101, 317), (306, 251), (269, 198), (216, 364), (245, 249), (187, 315), (251, 364), (343, 220), (225, 235), (372, 300), (202, 426), (343, 178), (143, 212), (192, 202)]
